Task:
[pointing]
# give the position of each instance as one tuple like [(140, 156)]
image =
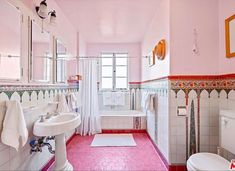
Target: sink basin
[(57, 125)]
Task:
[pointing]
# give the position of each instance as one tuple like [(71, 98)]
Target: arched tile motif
[(16, 96)]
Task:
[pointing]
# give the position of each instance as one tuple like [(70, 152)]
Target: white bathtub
[(123, 119)]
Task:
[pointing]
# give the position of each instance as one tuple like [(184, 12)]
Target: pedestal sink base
[(61, 162), (68, 167)]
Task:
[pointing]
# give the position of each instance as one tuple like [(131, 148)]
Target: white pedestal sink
[(57, 126)]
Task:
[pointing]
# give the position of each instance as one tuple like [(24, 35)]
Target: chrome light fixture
[(42, 12), (42, 9), (52, 15)]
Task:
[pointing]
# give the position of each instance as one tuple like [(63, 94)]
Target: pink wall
[(201, 15), (157, 30), (133, 50), (226, 9)]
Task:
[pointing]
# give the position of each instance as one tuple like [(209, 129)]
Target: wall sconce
[(42, 12)]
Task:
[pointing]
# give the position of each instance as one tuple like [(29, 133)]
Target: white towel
[(107, 98), (63, 105), (144, 96), (72, 101), (150, 102), (118, 98), (15, 132)]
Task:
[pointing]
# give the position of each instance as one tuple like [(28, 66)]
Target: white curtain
[(90, 116)]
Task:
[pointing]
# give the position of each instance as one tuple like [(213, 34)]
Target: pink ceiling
[(105, 21)]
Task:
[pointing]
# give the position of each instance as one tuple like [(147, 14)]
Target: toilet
[(213, 162)]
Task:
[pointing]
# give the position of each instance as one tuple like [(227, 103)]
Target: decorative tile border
[(9, 90), (200, 83)]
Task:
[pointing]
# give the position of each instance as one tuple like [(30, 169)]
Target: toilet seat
[(207, 161)]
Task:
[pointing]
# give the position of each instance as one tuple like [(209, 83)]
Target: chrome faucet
[(41, 118), (49, 115)]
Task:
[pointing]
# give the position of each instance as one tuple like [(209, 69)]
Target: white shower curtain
[(89, 96)]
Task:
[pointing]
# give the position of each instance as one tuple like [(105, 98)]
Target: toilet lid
[(208, 161)]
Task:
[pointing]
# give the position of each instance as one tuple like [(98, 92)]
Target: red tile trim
[(135, 82), (190, 77), (177, 168), (119, 131), (52, 160)]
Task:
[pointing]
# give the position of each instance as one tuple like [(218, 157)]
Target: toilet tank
[(227, 130)]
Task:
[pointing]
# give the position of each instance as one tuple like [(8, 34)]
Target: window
[(114, 71)]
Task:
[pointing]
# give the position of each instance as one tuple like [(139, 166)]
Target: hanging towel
[(72, 101), (107, 98), (63, 105), (144, 96), (119, 98), (15, 132), (150, 102)]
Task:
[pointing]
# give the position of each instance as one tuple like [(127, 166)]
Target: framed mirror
[(41, 58), (61, 62), (230, 36), (10, 42)]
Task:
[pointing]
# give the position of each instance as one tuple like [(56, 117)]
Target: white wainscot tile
[(204, 102), (231, 104), (204, 111), (173, 158), (34, 98), (5, 166), (213, 149), (173, 111), (223, 103), (4, 156), (173, 148), (15, 96), (181, 94), (47, 95), (214, 94), (25, 99), (173, 140), (173, 130), (214, 131), (204, 140), (181, 149), (214, 111), (2, 146), (181, 158), (214, 102), (172, 95), (214, 140), (51, 95), (4, 97), (204, 94), (204, 120), (181, 130), (205, 130), (223, 94), (214, 121), (204, 148), (231, 95), (181, 140)]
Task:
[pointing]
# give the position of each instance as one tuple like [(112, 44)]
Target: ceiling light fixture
[(43, 14)]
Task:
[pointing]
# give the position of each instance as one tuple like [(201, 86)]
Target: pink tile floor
[(143, 157)]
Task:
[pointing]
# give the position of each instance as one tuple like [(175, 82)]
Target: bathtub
[(123, 119)]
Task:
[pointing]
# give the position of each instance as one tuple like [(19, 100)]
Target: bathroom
[(117, 85)]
